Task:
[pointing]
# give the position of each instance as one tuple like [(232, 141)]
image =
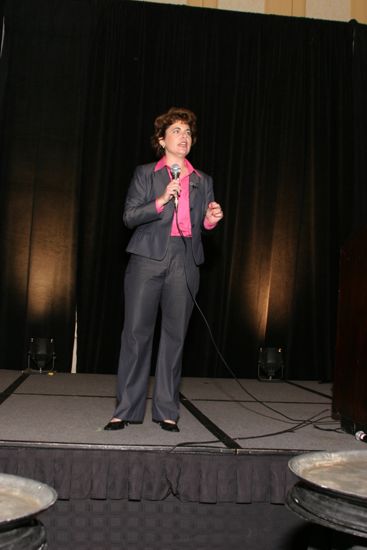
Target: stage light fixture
[(270, 366), (41, 355)]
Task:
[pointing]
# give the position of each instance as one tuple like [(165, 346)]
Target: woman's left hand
[(214, 213)]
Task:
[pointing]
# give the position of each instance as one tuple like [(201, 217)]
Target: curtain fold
[(154, 475), (274, 96), (45, 49)]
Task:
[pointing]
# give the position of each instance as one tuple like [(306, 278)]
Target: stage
[(222, 480)]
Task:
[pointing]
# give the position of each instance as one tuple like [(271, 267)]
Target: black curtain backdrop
[(43, 65), (282, 119)]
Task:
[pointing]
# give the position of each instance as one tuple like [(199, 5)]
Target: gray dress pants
[(150, 285)]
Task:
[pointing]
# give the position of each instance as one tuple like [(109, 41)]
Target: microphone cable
[(296, 423), (287, 419)]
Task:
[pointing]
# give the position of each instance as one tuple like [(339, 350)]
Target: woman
[(168, 205)]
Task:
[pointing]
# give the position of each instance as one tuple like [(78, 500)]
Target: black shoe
[(169, 426), (116, 425)]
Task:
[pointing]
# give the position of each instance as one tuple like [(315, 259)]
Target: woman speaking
[(169, 204)]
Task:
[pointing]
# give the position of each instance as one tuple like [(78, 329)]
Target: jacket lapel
[(160, 181), (194, 186)]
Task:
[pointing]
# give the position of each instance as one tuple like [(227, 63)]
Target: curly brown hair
[(162, 122)]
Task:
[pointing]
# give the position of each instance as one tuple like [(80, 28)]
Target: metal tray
[(21, 498), (344, 472)]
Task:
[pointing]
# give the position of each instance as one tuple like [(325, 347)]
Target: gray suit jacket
[(152, 230)]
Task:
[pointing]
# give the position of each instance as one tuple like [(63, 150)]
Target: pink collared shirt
[(183, 209)]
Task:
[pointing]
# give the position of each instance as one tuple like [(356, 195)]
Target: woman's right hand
[(172, 190)]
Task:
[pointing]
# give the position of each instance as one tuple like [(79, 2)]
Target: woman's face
[(177, 139)]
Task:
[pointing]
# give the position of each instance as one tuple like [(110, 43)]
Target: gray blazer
[(152, 230)]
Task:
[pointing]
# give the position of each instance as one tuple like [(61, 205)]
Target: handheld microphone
[(175, 171), (361, 436)]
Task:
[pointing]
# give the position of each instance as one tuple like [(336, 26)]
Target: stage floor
[(219, 415)]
